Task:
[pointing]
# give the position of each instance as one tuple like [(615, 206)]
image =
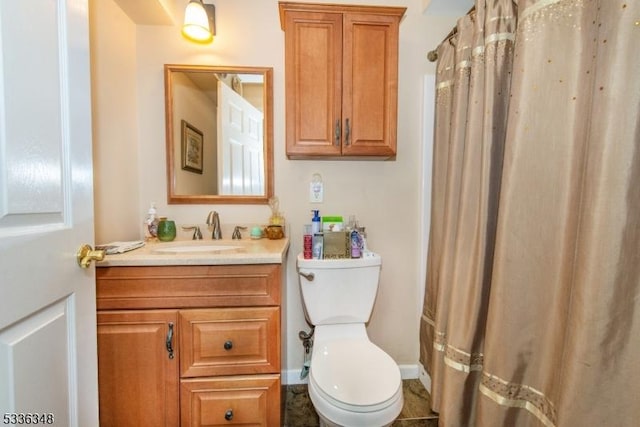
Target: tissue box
[(336, 245), (332, 223)]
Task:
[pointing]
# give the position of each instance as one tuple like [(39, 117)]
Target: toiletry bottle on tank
[(315, 222)]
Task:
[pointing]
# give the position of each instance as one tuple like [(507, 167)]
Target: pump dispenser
[(150, 226), (315, 222)]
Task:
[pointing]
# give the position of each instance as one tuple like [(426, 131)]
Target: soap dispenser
[(150, 225), (315, 222)]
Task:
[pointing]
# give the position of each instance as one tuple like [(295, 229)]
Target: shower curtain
[(532, 302)]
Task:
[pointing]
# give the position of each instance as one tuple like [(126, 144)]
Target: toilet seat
[(355, 375)]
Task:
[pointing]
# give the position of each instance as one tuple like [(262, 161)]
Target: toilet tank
[(341, 291)]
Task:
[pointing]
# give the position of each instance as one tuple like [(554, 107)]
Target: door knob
[(86, 254)]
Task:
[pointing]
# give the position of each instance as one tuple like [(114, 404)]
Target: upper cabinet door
[(313, 83), (370, 86), (341, 66)]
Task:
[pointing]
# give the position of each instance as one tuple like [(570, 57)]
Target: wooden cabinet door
[(370, 86), (313, 68), (341, 67), (138, 378)]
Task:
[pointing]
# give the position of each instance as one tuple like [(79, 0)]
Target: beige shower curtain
[(532, 303)]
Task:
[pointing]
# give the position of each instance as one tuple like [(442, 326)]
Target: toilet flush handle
[(308, 276)]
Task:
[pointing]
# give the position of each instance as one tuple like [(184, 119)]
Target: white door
[(240, 147), (48, 362)]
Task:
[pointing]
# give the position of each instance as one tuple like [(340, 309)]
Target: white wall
[(385, 196)]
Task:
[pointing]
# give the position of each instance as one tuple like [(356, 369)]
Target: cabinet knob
[(228, 345), (228, 415)]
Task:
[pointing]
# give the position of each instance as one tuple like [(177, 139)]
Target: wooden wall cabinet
[(189, 345), (341, 80)]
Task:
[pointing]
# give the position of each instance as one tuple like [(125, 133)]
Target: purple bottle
[(356, 245)]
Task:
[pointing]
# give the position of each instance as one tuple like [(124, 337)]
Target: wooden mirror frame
[(172, 197)]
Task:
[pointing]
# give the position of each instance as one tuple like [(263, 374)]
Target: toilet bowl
[(352, 382)]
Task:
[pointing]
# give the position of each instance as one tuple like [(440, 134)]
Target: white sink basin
[(195, 249)]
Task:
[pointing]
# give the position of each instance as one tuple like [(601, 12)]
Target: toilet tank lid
[(368, 260)]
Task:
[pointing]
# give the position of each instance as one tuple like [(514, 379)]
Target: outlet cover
[(316, 192)]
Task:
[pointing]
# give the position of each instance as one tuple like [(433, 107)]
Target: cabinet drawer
[(223, 401), (229, 341), (188, 286)]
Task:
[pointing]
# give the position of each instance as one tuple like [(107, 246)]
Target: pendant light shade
[(199, 22)]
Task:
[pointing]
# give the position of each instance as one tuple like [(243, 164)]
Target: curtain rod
[(432, 56)]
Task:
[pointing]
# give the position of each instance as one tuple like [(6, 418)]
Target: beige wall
[(115, 123), (385, 196)]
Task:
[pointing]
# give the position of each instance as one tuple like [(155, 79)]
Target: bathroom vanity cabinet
[(189, 345), (341, 80)]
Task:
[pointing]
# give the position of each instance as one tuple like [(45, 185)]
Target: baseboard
[(407, 372), (424, 378), (292, 377)]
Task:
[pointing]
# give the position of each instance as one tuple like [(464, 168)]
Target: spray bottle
[(317, 237)]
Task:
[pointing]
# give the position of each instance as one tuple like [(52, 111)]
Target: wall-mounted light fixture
[(199, 22)]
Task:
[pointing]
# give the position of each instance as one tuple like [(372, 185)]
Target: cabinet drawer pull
[(337, 132), (228, 415), (347, 131), (169, 342), (228, 345)]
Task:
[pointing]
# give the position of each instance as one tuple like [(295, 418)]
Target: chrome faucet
[(213, 220)]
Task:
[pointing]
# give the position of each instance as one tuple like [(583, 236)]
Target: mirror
[(219, 124)]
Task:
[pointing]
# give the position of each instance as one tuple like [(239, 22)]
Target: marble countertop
[(202, 252)]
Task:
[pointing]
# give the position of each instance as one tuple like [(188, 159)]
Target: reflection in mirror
[(219, 123)]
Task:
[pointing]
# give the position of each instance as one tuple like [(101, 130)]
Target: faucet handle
[(236, 232), (197, 234)]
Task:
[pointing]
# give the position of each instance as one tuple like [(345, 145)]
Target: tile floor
[(415, 413)]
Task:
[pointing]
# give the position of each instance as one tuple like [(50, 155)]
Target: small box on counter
[(336, 245)]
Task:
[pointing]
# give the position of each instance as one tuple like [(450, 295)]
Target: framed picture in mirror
[(192, 144)]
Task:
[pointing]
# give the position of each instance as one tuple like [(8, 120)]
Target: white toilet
[(352, 382)]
